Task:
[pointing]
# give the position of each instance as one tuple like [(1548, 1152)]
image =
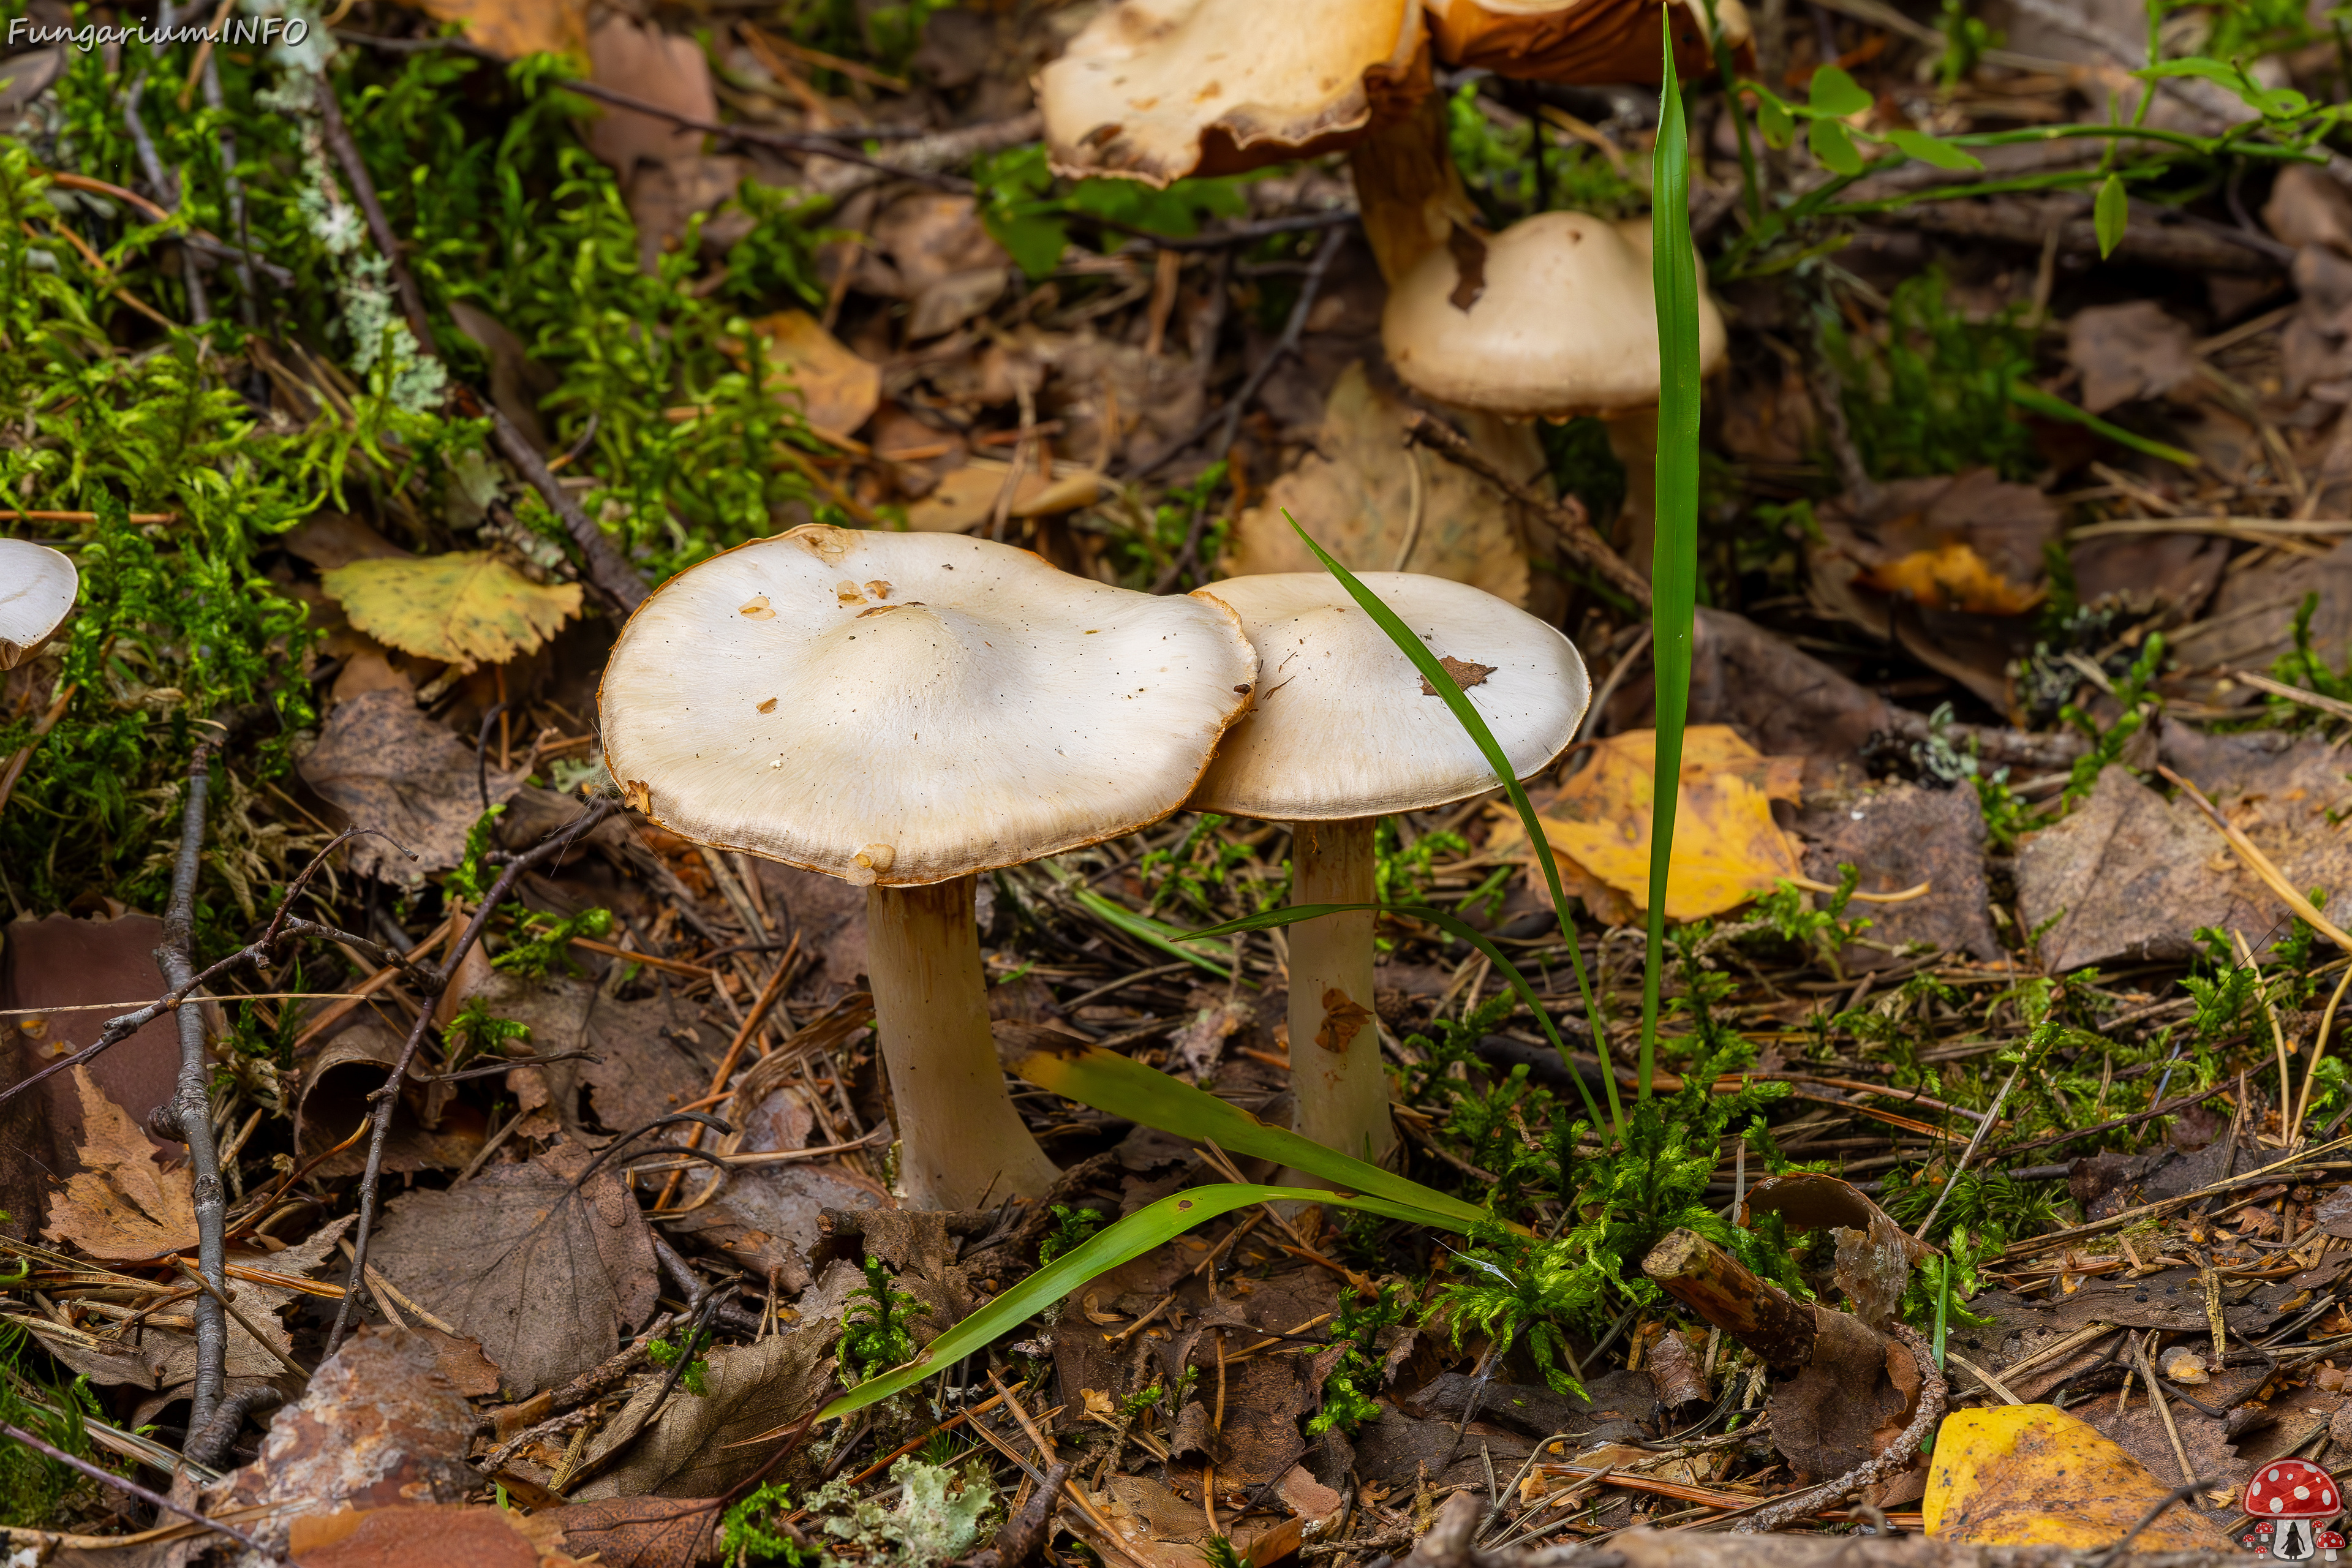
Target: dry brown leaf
[(510, 28), (701, 1446), (2129, 352), (545, 1273), (387, 766), (2029, 1474), (465, 608), (1356, 491), (429, 1536), (833, 387), (639, 1532), (966, 497), (121, 1204), (1727, 849)]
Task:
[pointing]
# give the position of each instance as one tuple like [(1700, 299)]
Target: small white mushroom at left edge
[(38, 587)]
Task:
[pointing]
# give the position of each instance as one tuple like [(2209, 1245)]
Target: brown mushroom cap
[(1564, 321), (1579, 40), (1159, 89)]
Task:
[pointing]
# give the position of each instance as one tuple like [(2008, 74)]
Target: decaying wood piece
[(1724, 1291)]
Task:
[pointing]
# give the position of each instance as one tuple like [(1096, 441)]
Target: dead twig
[(1569, 524), (132, 1488), (609, 572), (1898, 1454)]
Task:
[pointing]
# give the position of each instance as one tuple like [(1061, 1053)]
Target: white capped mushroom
[(904, 712), (1343, 732), (36, 593), (1559, 318)]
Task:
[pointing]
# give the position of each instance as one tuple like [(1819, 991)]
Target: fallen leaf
[(639, 1532), (1875, 1256), (1727, 849), (431, 1128), (2250, 621), (1899, 836), (387, 766), (378, 1428), (428, 1536), (834, 389), (1356, 492), (703, 1445), (517, 380), (121, 1204), (1854, 1396), (1673, 1367), (1953, 576), (512, 28), (924, 238), (2031, 1475), (966, 497), (2307, 206), (331, 539), (465, 608), (546, 1274), (2128, 353), (2315, 349)]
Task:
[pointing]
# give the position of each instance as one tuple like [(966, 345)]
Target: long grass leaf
[(1442, 681), (1121, 1086), (1144, 928), (2028, 396), (1131, 1237), (1453, 925), (1673, 563)]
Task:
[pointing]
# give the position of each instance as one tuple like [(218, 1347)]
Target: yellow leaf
[(1727, 849), (1953, 576), (2031, 1475), (511, 28), (465, 609)]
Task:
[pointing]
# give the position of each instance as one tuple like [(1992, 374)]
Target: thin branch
[(190, 1111), (1571, 525), (609, 572), (132, 1488), (356, 173)]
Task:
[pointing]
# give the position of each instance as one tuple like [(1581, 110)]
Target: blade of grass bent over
[(1674, 563), (1453, 926), (1442, 681), (1135, 1235), (1121, 1086)]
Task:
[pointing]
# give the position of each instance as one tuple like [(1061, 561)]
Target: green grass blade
[(1135, 1235), (1144, 928), (1442, 681), (2034, 400), (1673, 563), (1453, 925), (1122, 1086)]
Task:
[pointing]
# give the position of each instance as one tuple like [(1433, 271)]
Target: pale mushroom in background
[(38, 586), (1343, 732), (1559, 318), (905, 711)]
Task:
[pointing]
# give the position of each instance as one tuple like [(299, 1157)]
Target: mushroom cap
[(1565, 323), (906, 707), (2293, 1489), (38, 586), (1342, 726), (1156, 89), (1579, 41)]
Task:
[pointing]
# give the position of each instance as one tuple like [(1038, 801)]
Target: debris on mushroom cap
[(38, 586), (1341, 726), (1577, 41), (992, 710), (2292, 1488), (1565, 323), (1158, 90)]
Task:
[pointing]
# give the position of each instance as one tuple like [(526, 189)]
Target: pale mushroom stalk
[(1343, 732), (1341, 1092), (905, 711), (930, 1017)]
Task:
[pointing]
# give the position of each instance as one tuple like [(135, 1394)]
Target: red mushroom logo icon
[(2294, 1497)]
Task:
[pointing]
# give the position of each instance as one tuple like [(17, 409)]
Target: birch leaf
[(467, 609)]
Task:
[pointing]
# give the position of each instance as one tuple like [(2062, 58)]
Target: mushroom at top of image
[(905, 711), (1344, 730), (38, 586)]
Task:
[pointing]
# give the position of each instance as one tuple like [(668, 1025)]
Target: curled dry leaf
[(701, 1446), (387, 766), (378, 1428), (1874, 1254), (2031, 1475), (810, 370), (465, 608), (546, 1272), (1727, 849)]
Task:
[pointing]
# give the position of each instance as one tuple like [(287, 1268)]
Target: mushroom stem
[(1408, 192), (1633, 437), (1342, 1095), (961, 1142)]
